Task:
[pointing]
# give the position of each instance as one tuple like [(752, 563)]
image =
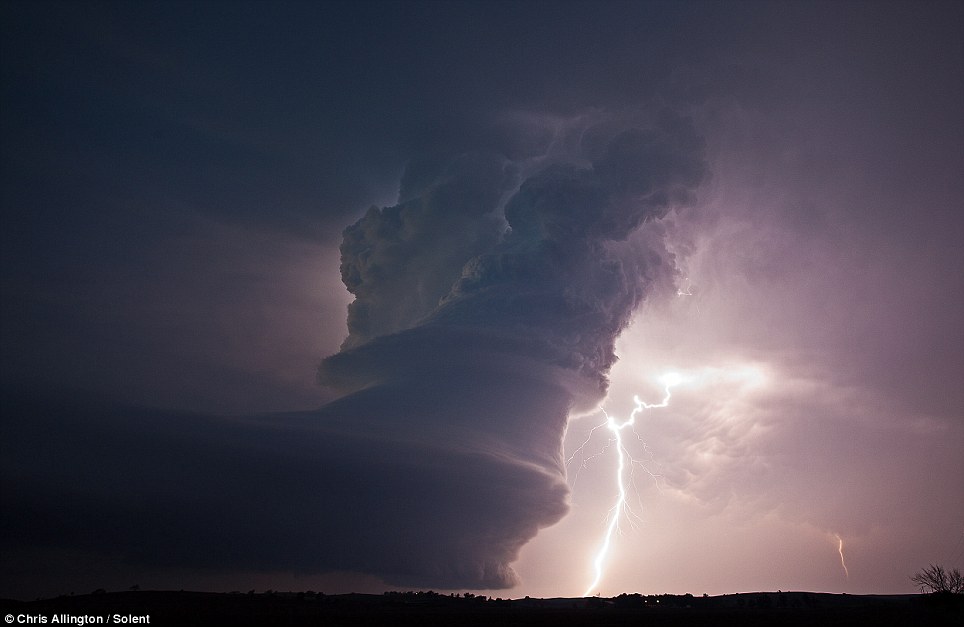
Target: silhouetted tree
[(631, 601), (936, 579)]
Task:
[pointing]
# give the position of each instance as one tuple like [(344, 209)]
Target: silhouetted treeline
[(399, 609)]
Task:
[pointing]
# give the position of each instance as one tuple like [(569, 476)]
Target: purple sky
[(766, 198)]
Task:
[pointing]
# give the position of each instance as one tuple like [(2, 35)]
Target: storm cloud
[(486, 310)]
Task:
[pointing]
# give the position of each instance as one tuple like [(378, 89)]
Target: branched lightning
[(747, 377), (585, 460), (621, 507)]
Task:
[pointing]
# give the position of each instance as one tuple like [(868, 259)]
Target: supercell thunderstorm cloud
[(483, 368), (471, 339), (325, 295)]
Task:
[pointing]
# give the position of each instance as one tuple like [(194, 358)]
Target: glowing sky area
[(325, 295)]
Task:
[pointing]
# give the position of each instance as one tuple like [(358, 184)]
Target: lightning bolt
[(746, 377), (621, 507), (840, 550)]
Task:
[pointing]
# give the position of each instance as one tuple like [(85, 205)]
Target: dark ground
[(771, 608)]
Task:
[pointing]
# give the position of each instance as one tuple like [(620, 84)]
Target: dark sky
[(572, 198)]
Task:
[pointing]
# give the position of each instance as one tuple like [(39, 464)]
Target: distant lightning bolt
[(621, 507), (840, 550)]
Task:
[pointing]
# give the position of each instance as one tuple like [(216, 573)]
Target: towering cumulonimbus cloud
[(488, 364), (487, 306)]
